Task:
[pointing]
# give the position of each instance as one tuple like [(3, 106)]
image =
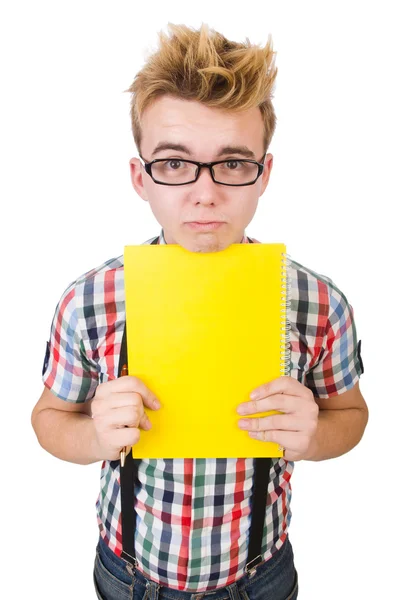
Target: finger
[(124, 399), (126, 416), (145, 422), (290, 440), (121, 438), (149, 399), (284, 384), (130, 416), (129, 383), (281, 422), (120, 399), (281, 402)]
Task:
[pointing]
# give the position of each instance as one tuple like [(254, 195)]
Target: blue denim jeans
[(276, 579)]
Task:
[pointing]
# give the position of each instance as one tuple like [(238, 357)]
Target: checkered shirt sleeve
[(67, 372), (339, 366)]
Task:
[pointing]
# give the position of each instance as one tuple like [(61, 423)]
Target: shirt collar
[(162, 238)]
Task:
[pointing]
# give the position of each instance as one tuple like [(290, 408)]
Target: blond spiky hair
[(203, 65)]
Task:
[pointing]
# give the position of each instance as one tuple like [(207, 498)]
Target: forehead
[(200, 127)]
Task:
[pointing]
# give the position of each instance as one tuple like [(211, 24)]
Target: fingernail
[(156, 404), (254, 395)]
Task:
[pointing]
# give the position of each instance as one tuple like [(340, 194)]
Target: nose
[(205, 189), (206, 173)]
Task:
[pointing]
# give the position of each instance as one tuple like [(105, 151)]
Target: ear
[(136, 171), (268, 165)]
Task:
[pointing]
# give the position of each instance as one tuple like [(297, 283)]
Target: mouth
[(205, 225)]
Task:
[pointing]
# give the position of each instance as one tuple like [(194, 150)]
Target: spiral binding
[(285, 353)]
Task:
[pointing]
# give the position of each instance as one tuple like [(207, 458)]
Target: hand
[(117, 410), (295, 428)]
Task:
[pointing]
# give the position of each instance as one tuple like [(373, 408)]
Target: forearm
[(338, 431), (69, 436)]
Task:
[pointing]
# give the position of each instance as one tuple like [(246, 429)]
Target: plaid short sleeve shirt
[(193, 515)]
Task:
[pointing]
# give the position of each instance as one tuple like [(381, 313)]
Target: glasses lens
[(235, 172), (174, 171)]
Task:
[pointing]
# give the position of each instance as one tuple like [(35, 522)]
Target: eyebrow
[(243, 150)]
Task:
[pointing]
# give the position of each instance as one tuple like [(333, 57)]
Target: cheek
[(247, 203), (165, 205)]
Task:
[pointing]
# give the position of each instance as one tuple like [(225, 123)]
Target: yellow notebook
[(204, 330)]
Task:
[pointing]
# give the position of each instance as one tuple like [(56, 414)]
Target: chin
[(205, 242)]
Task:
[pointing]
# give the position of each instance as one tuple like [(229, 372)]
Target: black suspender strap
[(128, 477), (258, 510)]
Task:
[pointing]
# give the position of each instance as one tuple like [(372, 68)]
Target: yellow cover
[(203, 330)]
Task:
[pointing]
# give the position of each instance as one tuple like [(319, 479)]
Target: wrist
[(95, 448), (312, 452)]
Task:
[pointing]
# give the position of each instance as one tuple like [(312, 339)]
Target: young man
[(199, 99)]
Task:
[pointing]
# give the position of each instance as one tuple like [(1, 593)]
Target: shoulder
[(102, 284), (307, 280), (317, 296), (300, 274), (313, 294)]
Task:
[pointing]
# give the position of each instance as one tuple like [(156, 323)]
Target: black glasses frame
[(200, 165)]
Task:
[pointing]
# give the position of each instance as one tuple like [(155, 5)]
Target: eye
[(174, 164), (232, 165)]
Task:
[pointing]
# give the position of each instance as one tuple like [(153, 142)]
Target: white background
[(68, 205)]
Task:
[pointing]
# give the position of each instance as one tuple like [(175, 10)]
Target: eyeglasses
[(178, 171)]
